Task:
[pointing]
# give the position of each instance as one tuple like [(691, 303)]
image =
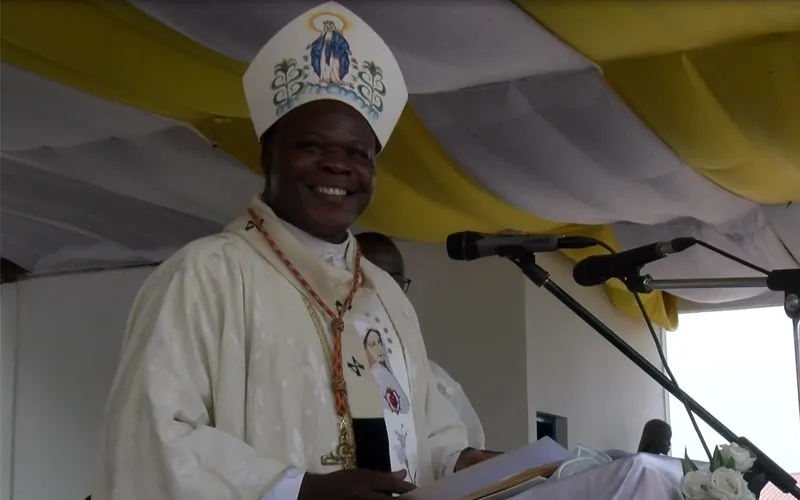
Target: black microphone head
[(681, 244), (588, 272), (462, 246)]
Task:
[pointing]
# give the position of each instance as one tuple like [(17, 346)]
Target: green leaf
[(716, 460), (686, 463), (731, 464)]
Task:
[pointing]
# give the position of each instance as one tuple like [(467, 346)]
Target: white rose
[(741, 456), (695, 484), (727, 484)]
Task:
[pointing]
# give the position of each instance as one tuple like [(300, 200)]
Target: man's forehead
[(325, 117)]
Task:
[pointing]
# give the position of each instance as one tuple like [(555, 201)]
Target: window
[(740, 366), (552, 426)]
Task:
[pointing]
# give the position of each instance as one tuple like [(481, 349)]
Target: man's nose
[(335, 160)]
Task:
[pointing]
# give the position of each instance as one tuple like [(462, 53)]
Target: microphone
[(598, 269), (469, 245)]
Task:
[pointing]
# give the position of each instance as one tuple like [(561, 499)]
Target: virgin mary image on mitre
[(330, 54)]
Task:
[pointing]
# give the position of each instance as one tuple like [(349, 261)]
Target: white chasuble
[(224, 384)]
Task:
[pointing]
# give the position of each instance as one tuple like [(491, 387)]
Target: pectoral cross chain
[(345, 452)]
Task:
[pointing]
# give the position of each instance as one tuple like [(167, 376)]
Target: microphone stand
[(763, 464)]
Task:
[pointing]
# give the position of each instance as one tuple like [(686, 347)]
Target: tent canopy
[(125, 133)]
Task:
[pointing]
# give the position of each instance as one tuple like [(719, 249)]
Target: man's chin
[(333, 230), (331, 223)]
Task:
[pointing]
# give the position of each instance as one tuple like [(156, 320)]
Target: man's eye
[(364, 155), (312, 146)]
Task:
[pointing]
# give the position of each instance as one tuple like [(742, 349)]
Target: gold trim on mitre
[(326, 53)]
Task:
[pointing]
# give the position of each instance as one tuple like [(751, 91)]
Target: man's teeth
[(330, 191)]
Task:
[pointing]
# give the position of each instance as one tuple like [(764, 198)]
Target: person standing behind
[(381, 251), (656, 438)]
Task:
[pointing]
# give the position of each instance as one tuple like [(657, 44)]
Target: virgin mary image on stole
[(330, 52), (392, 394)]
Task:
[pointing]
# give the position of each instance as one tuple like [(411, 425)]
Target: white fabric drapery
[(527, 118)]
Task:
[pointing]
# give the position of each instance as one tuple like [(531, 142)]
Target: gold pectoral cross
[(345, 453)]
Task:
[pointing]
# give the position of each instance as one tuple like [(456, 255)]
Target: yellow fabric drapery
[(716, 81), (112, 50)]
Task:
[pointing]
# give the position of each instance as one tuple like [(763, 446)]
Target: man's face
[(387, 259), (320, 168)]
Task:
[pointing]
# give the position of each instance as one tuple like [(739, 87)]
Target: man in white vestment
[(270, 361), (381, 251)]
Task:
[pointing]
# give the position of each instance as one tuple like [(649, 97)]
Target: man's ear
[(267, 152), (265, 161), (268, 155)]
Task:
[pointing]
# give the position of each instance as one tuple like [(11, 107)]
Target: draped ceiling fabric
[(125, 132)]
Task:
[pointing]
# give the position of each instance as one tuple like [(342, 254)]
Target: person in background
[(381, 251), (656, 438), (243, 372)]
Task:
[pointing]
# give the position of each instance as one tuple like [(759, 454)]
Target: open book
[(510, 472)]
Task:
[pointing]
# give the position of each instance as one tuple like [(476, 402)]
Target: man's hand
[(359, 484), (472, 456)]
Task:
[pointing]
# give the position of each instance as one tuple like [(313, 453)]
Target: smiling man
[(271, 361)]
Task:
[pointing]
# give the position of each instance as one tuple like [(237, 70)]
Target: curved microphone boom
[(469, 245), (598, 269)]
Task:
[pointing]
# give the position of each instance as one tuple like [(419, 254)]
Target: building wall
[(69, 334), (575, 373), (8, 353), (474, 327)]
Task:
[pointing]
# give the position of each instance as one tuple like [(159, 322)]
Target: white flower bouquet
[(725, 478)]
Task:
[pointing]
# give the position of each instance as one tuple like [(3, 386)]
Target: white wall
[(474, 327), (575, 373), (70, 329), (8, 353), (513, 349)]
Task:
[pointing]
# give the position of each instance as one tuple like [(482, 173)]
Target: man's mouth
[(330, 191)]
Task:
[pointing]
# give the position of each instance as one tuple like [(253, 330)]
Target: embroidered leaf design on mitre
[(371, 87), (288, 81)]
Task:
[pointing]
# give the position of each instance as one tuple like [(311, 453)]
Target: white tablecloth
[(637, 477)]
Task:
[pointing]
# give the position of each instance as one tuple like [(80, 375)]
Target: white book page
[(462, 483)]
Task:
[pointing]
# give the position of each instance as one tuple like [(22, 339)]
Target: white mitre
[(326, 53)]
